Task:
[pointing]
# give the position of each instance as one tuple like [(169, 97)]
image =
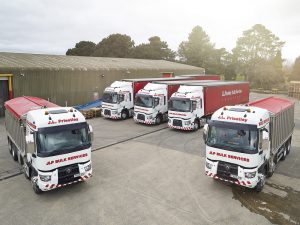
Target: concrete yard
[(150, 175)]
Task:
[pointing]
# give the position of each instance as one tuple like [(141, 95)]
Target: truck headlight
[(187, 122), (88, 167), (208, 165), (45, 178), (250, 174), (170, 121), (149, 117)]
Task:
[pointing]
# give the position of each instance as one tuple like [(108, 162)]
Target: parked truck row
[(244, 140)]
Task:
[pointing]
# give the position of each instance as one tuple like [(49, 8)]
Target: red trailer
[(193, 103), (140, 83), (218, 94)]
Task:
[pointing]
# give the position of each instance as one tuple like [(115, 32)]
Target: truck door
[(3, 94)]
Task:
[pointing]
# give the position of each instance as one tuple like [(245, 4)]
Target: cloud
[(45, 26)]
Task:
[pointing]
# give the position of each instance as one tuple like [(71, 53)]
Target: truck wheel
[(158, 119), (196, 125), (26, 171), (14, 152), (261, 183), (288, 146), (9, 145), (284, 153), (124, 114), (35, 188)]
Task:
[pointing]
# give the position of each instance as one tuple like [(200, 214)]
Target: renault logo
[(68, 170), (227, 167)]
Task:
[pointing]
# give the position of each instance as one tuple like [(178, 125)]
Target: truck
[(245, 143), (52, 143), (193, 103), (151, 102), (118, 98)]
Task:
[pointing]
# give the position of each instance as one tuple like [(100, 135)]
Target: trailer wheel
[(124, 114), (196, 125), (260, 185), (284, 153), (9, 145), (33, 180)]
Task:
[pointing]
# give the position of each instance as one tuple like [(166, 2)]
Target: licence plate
[(78, 174)]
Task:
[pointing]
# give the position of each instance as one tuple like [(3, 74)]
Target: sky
[(53, 26)]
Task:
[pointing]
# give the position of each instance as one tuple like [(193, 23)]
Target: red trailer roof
[(272, 104), (21, 105)]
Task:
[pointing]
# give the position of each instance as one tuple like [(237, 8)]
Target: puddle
[(278, 204)]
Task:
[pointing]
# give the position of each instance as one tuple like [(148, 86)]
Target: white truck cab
[(117, 100), (245, 143), (151, 104), (53, 144)]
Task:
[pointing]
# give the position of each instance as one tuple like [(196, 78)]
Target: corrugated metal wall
[(76, 86)]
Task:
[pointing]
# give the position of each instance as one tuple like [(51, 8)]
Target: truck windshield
[(62, 139), (180, 104), (233, 137), (110, 97), (144, 101)]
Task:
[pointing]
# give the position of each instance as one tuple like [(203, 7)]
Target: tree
[(198, 50), (82, 48), (115, 45), (296, 70), (155, 49), (257, 45)]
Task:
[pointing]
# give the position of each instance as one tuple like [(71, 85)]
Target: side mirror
[(30, 144), (156, 102), (265, 135), (194, 106), (205, 131), (91, 133)]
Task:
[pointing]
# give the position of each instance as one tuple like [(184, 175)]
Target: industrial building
[(74, 80)]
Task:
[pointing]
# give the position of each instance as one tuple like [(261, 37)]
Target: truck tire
[(9, 145), (288, 146), (284, 153), (26, 170), (14, 152), (35, 188), (196, 125), (260, 185), (124, 114), (158, 119)]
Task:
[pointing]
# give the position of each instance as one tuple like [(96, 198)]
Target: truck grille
[(177, 123), (227, 169), (141, 117), (66, 174), (107, 112)]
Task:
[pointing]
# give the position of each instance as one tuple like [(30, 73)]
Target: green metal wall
[(75, 86)]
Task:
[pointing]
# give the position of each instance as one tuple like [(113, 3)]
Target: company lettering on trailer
[(232, 92), (264, 121), (63, 121), (229, 156), (233, 118), (66, 159)]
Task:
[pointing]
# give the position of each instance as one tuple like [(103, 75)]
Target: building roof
[(41, 61)]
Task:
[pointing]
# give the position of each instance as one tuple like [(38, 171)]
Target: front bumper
[(54, 182), (240, 179), (111, 114), (143, 118), (179, 124)]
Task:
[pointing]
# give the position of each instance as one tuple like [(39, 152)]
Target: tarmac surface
[(150, 175)]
